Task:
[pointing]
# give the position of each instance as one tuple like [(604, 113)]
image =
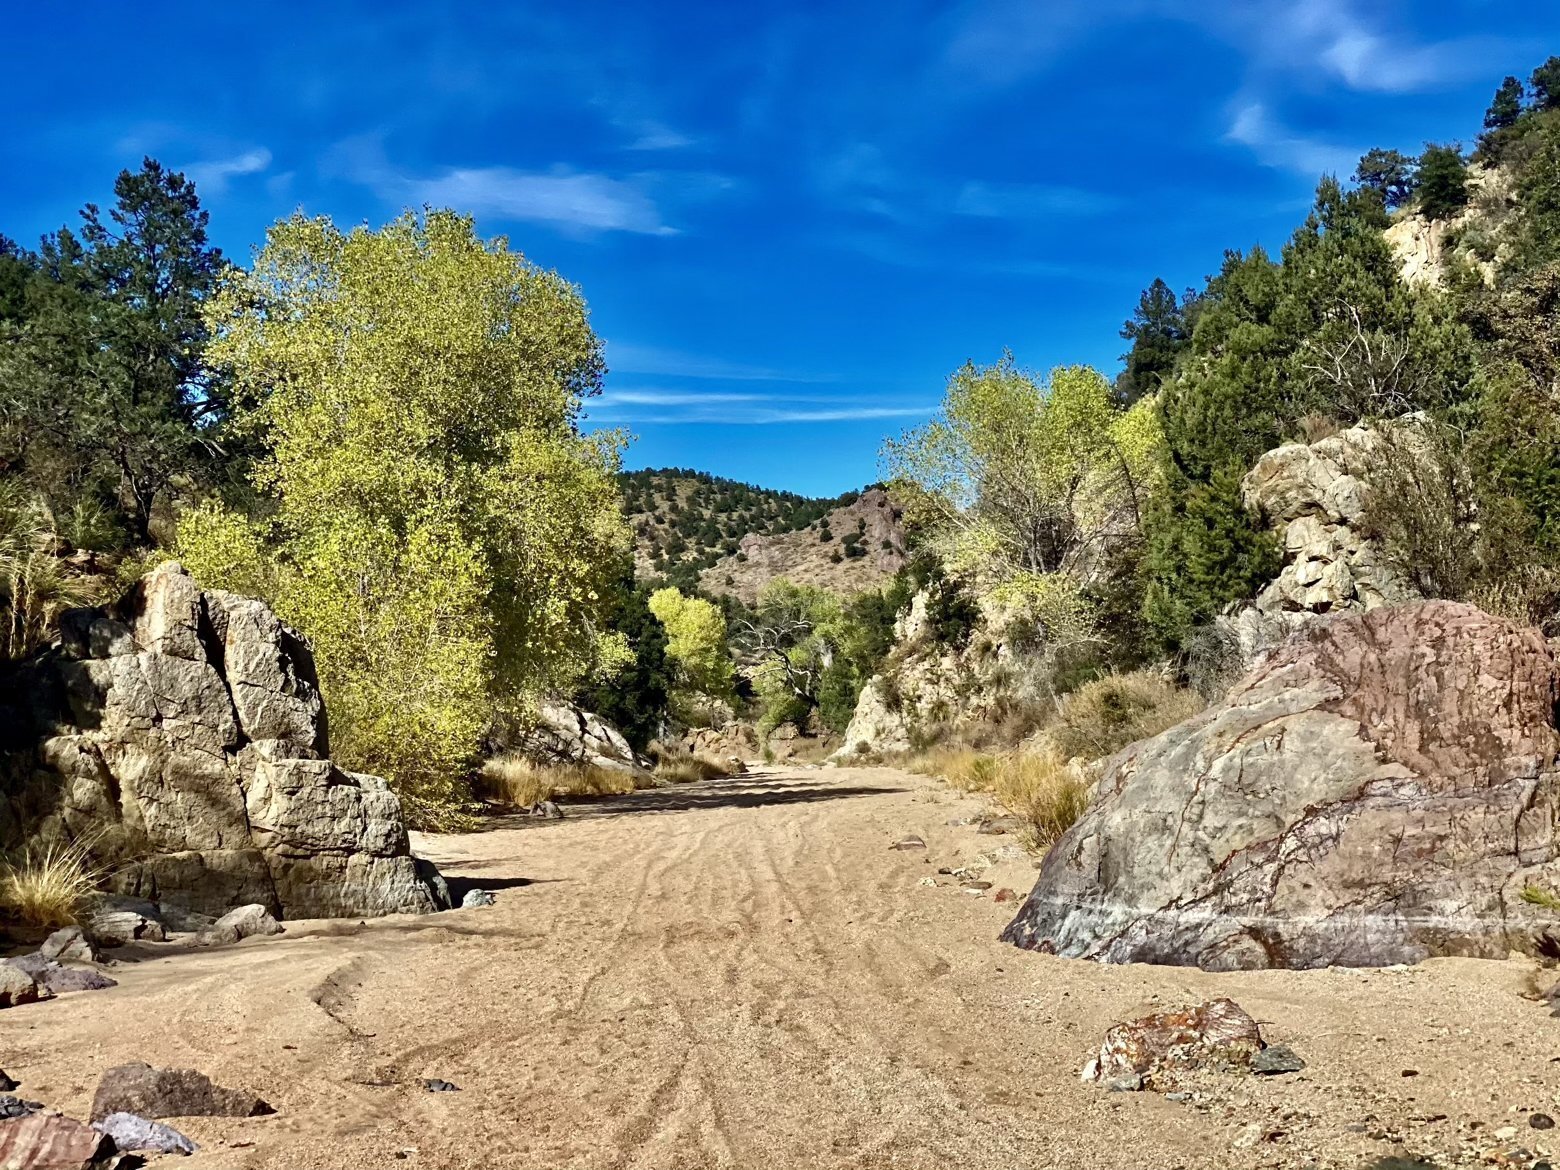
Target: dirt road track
[(743, 974)]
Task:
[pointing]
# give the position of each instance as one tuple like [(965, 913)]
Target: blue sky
[(791, 221)]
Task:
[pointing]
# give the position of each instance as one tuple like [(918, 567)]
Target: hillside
[(684, 521), (856, 546)]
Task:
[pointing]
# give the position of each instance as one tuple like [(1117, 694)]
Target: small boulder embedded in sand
[(477, 899), (59, 979), (239, 924), (170, 1092), (116, 925), (435, 1085), (143, 1135), (18, 987), (48, 1141), (1276, 1059), (910, 842), (1217, 1034), (70, 944)]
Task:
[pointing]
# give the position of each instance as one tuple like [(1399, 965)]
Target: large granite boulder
[(564, 733), (181, 731), (1381, 789)]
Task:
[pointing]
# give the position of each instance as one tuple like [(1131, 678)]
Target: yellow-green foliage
[(1040, 788), (49, 887), (1104, 716), (1536, 896), (438, 528), (695, 641), (1020, 476)]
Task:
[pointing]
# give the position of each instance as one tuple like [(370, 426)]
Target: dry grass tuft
[(50, 887), (679, 767), (1046, 792), (521, 783), (1104, 716)]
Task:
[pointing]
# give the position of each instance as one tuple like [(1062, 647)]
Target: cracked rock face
[(182, 731), (1381, 789), (1316, 497)]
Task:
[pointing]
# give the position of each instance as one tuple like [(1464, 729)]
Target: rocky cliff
[(181, 732), (1381, 789)]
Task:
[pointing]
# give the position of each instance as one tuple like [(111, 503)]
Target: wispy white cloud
[(561, 197), (744, 415), (211, 176), (1030, 201), (1275, 145), (676, 397), (650, 135), (625, 357)]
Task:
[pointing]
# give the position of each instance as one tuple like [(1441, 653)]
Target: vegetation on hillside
[(684, 521)]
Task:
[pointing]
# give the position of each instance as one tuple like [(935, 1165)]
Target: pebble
[(1276, 1059), (15, 1107), (928, 881), (1128, 1084), (1541, 1121), (910, 842), (435, 1085)]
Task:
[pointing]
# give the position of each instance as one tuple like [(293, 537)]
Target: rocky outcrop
[(1381, 789), (1315, 494), (181, 733), (566, 734), (873, 522)]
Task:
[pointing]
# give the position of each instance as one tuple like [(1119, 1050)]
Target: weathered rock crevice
[(182, 733)]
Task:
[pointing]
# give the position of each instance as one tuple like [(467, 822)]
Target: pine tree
[(1158, 334), (1389, 173), (1500, 120), (1443, 181), (1545, 85)]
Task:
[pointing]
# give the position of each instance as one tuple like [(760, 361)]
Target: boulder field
[(181, 734), (1382, 788)]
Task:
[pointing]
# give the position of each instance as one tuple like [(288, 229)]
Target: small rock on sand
[(910, 842), (1275, 1059), (48, 1141), (143, 1135), (435, 1085), (170, 1092), (18, 987), (239, 924), (476, 899)]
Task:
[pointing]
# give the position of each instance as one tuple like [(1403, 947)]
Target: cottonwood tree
[(436, 523), (696, 644)]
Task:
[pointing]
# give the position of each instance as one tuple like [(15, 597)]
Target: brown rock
[(170, 1092), (18, 987), (1216, 1035), (48, 1141), (1380, 790), (1005, 895)]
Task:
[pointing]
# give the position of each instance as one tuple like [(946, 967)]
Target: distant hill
[(684, 521), (856, 546)]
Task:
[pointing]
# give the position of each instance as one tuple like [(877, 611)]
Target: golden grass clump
[(679, 767), (1104, 716), (1045, 791), (51, 886), (522, 783)]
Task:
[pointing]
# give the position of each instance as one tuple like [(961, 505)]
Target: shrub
[(521, 783), (1104, 716), (1046, 792), (50, 887), (679, 767)]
